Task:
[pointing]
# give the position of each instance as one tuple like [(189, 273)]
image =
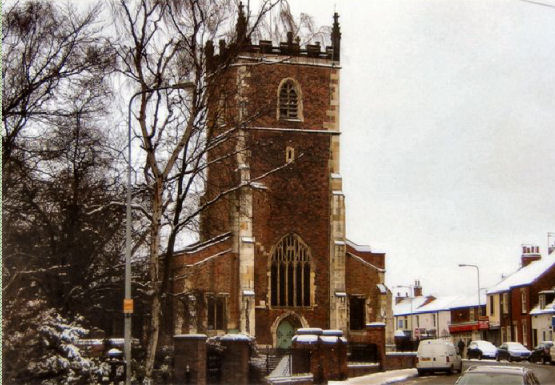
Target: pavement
[(380, 378)]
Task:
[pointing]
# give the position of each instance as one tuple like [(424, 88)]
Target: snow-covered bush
[(39, 348)]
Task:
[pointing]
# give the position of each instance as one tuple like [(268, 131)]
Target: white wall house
[(541, 315)]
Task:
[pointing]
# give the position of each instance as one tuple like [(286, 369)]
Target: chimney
[(550, 243), (530, 253), (417, 289)]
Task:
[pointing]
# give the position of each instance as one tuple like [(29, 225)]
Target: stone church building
[(273, 254)]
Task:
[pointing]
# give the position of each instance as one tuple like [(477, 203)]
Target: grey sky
[(448, 121)]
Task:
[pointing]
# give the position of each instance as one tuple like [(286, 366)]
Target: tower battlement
[(291, 47)]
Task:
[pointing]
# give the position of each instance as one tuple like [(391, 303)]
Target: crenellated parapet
[(242, 44)]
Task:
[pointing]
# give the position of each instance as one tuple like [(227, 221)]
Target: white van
[(436, 355)]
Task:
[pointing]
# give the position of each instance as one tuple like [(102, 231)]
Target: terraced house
[(514, 302)]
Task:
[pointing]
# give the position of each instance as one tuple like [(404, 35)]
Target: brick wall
[(297, 202), (394, 361), (202, 272)]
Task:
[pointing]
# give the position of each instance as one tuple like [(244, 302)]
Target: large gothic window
[(290, 273), (289, 100)]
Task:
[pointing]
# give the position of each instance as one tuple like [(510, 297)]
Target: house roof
[(525, 275), (404, 306), (437, 304)]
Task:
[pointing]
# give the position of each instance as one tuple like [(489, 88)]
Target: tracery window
[(289, 101), (290, 273)]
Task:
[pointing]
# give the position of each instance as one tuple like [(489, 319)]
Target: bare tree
[(45, 48), (61, 193), (165, 53)]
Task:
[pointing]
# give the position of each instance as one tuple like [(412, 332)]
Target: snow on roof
[(361, 248), (548, 309), (202, 245), (364, 262), (438, 304), (467, 300), (525, 275), (382, 288), (404, 306)]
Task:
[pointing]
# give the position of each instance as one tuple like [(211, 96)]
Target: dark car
[(512, 351), (541, 352), (498, 375)]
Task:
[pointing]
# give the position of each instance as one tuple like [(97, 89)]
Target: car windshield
[(490, 379)]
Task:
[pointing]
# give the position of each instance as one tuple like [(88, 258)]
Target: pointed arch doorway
[(285, 328)]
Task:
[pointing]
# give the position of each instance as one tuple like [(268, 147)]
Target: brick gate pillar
[(235, 359), (190, 359), (375, 334)]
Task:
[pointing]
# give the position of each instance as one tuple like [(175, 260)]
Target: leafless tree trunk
[(162, 53)]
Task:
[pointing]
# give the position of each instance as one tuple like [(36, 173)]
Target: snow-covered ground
[(381, 378)]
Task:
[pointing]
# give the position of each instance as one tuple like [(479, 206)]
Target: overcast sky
[(448, 133)]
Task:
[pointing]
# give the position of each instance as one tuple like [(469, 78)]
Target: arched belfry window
[(290, 281), (289, 100)]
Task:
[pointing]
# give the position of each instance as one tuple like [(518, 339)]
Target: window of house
[(542, 301), (505, 303), (434, 319), (523, 300), (290, 279), (524, 332), (215, 309), (471, 315), (289, 100), (491, 308), (356, 313), (417, 321)]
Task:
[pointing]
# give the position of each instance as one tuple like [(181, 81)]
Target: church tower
[(272, 252)]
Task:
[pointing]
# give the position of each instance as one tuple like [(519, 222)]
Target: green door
[(285, 333)]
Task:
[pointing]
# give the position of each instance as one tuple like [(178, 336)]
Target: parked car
[(437, 355), (512, 351), (498, 375), (481, 349), (541, 352)]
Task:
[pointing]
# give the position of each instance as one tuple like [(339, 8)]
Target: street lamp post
[(478, 272), (128, 301)]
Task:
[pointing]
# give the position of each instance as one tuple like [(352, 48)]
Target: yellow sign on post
[(128, 306)]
